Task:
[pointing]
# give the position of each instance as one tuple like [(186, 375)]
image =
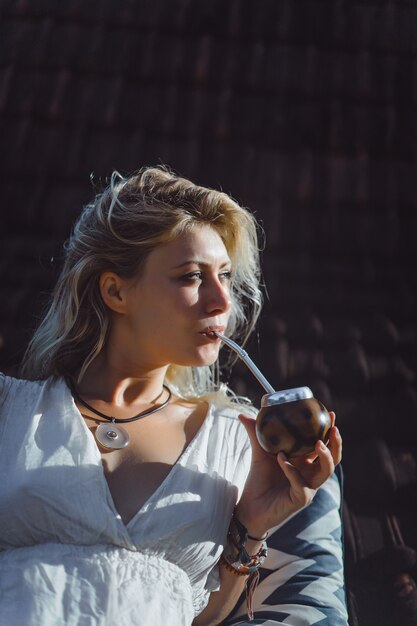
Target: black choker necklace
[(112, 436)]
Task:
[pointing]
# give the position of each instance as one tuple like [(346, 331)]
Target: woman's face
[(182, 293)]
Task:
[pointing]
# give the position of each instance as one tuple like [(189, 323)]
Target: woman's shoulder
[(18, 389), (7, 381), (231, 409), (225, 420)]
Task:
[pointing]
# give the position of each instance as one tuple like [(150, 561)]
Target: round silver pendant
[(112, 436)]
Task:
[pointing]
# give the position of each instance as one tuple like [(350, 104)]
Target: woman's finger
[(290, 471), (299, 486), (335, 445), (250, 425), (323, 468)]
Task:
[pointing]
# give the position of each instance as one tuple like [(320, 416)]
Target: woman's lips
[(211, 335), (210, 332)]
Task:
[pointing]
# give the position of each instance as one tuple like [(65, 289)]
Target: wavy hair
[(116, 232)]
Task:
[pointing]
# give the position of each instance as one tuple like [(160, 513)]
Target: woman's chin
[(208, 356)]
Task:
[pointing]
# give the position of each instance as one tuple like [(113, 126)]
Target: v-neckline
[(92, 442)]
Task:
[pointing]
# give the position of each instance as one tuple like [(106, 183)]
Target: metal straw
[(247, 360)]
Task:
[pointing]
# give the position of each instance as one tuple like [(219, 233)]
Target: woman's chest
[(136, 472), (60, 487)]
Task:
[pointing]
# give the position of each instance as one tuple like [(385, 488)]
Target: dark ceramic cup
[(291, 421)]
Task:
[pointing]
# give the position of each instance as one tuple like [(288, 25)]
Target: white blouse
[(67, 558)]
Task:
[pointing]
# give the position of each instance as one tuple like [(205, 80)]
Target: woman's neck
[(121, 384)]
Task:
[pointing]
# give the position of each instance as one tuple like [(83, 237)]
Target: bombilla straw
[(247, 361)]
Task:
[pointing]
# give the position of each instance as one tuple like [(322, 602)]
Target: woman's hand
[(277, 487)]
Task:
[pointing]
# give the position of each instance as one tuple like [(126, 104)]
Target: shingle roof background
[(304, 111)]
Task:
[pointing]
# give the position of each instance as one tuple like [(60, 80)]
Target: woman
[(137, 491)]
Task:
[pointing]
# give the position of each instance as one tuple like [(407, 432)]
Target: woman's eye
[(198, 276), (226, 276), (191, 277)]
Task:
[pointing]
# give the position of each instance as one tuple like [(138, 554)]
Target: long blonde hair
[(116, 232)]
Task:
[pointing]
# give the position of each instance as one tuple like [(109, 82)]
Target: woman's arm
[(223, 601), (276, 488)]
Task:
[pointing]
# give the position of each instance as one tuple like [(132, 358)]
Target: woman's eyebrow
[(200, 263)]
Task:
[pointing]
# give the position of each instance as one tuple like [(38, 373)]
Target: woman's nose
[(217, 297)]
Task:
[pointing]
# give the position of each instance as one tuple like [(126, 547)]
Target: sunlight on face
[(183, 291)]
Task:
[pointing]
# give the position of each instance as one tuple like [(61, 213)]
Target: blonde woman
[(136, 491)]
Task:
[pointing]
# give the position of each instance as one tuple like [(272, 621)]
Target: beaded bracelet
[(243, 531), (236, 559), (235, 553), (231, 568), (248, 567)]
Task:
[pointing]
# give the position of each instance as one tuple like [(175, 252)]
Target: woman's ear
[(113, 291)]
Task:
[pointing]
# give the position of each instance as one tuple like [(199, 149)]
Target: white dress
[(67, 558)]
